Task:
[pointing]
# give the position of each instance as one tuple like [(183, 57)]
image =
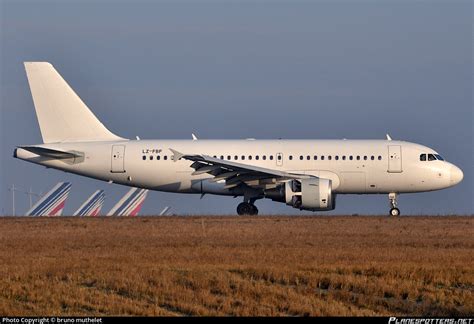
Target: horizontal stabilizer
[(55, 154)]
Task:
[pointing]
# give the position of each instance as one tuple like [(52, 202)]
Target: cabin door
[(118, 159), (395, 158)]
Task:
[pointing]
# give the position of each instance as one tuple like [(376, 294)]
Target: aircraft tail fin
[(52, 203), (130, 204), (92, 206), (62, 115)]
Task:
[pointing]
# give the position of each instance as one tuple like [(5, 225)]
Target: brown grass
[(237, 266)]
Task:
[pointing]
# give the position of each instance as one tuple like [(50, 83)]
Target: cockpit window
[(439, 157), (431, 157), (422, 157)]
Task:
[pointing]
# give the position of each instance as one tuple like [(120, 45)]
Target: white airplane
[(304, 174)]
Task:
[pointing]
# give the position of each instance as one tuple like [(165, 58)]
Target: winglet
[(388, 137), (194, 137), (176, 155)]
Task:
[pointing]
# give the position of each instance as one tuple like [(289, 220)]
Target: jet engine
[(313, 194)]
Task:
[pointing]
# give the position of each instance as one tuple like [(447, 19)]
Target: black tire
[(394, 212), (244, 209), (254, 210)]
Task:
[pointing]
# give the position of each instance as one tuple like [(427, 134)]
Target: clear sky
[(335, 69)]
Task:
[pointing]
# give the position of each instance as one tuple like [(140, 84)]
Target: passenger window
[(250, 157), (322, 157), (243, 157), (315, 157), (344, 157), (151, 157), (431, 157), (144, 157), (158, 157), (256, 157), (301, 157), (372, 157), (264, 157), (308, 157), (365, 157), (290, 157), (228, 157), (329, 157), (271, 157), (380, 157), (236, 157), (279, 157), (165, 157), (222, 157), (337, 157), (351, 157), (358, 157)]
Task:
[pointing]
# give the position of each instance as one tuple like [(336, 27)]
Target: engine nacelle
[(313, 194)]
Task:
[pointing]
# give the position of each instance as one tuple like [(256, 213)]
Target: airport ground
[(264, 265)]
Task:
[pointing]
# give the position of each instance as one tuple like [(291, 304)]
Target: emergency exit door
[(118, 159), (394, 158)]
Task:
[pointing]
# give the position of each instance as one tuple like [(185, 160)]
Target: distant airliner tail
[(130, 204), (62, 115), (92, 206), (52, 203)]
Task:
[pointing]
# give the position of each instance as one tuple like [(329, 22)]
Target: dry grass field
[(237, 266)]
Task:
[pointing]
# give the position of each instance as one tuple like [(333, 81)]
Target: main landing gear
[(394, 211), (247, 208)]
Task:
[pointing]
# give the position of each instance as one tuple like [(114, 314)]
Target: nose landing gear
[(394, 211)]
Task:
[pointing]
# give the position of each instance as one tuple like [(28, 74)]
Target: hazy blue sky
[(354, 69)]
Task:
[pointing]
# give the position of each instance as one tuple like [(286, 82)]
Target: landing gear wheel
[(247, 209), (394, 212), (244, 209), (254, 210)]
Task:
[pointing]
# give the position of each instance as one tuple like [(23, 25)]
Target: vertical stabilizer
[(92, 206), (62, 115), (52, 203), (130, 204)]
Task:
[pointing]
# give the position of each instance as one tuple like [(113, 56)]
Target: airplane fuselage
[(353, 166)]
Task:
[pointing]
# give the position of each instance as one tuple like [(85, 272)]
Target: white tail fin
[(62, 115)]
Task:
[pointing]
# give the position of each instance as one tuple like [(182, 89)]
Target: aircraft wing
[(234, 173)]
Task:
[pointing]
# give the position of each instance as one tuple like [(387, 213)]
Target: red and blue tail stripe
[(130, 204), (52, 203), (92, 206)]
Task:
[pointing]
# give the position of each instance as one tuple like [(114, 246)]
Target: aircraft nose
[(456, 175)]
